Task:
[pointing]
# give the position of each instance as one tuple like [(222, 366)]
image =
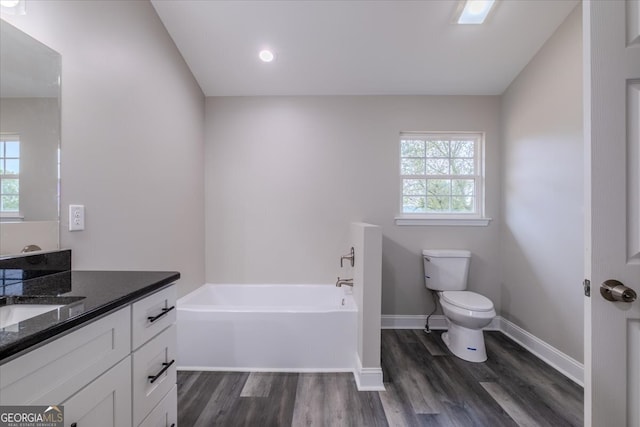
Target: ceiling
[(345, 47)]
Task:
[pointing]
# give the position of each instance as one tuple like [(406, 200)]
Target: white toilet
[(446, 271)]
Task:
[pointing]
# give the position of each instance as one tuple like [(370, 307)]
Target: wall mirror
[(29, 143)]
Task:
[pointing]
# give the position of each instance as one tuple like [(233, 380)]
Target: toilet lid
[(467, 300)]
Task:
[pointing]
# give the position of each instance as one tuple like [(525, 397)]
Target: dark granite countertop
[(86, 296)]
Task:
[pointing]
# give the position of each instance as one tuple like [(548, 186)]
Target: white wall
[(14, 234), (542, 185), (286, 175), (366, 240), (132, 136)]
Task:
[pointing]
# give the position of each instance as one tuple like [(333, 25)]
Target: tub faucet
[(348, 282)]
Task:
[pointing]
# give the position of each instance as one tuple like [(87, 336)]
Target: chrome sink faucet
[(347, 282)]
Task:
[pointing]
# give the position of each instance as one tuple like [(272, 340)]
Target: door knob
[(613, 290)]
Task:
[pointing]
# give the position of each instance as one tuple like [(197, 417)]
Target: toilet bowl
[(467, 312), (464, 336)]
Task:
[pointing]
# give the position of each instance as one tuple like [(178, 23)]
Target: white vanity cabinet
[(116, 371), (54, 372)]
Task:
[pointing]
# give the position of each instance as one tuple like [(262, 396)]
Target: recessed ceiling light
[(474, 11), (13, 7), (266, 55)]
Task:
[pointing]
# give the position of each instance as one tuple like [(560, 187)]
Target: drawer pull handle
[(152, 319), (74, 425), (173, 425), (153, 378)]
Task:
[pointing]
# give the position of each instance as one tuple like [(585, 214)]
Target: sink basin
[(16, 313)]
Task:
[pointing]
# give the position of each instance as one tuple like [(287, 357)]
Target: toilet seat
[(467, 300)]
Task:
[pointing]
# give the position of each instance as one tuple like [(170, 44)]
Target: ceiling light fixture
[(13, 7), (473, 11), (266, 55)]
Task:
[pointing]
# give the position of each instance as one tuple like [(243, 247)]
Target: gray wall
[(542, 184), (286, 175), (132, 137), (37, 121)]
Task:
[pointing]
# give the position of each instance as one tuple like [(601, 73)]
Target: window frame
[(476, 218), (10, 137)]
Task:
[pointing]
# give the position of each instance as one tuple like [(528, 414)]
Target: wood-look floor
[(425, 386)]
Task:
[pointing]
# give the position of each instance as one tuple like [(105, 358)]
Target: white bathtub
[(301, 328)]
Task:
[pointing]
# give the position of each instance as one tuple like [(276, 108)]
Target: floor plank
[(194, 391), (217, 410), (511, 407), (425, 386), (310, 398), (396, 412), (258, 384), (434, 346)]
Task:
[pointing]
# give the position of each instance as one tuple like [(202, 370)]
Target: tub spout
[(348, 282)]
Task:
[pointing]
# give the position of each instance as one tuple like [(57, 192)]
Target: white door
[(612, 135)]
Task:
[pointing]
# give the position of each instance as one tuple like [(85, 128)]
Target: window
[(11, 281), (9, 175), (441, 179)]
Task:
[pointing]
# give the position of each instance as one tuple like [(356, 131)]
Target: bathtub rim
[(182, 305)]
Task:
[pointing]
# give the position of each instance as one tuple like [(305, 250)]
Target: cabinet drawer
[(154, 373), (50, 374), (153, 314), (105, 402), (165, 414)]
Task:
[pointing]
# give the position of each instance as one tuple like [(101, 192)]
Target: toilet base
[(467, 344)]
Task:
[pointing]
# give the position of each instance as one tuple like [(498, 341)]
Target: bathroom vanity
[(106, 352), (99, 343)]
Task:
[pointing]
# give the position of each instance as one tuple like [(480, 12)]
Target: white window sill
[(11, 216), (420, 221)]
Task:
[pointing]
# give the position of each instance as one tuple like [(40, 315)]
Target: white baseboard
[(412, 322), (262, 369), (437, 321), (553, 357), (368, 379), (561, 362)]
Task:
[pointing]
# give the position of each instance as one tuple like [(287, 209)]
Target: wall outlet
[(76, 217)]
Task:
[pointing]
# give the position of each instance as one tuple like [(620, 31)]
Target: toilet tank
[(446, 269)]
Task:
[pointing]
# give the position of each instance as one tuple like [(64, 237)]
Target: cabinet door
[(166, 413), (105, 402)]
